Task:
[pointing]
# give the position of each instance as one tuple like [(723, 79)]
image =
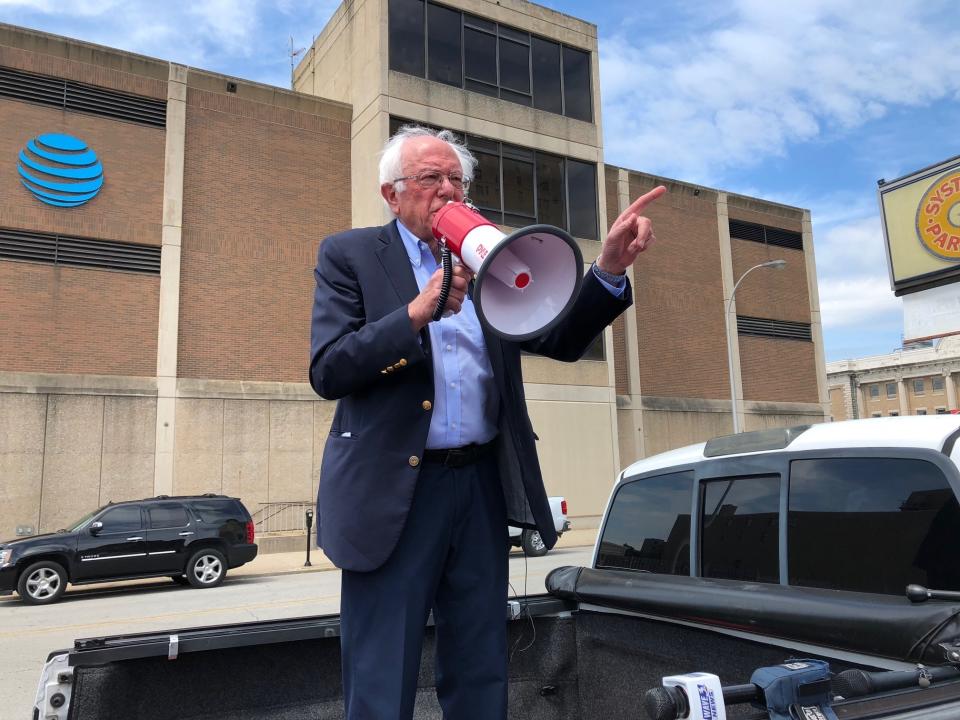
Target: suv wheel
[(206, 568), (42, 583), (533, 544)]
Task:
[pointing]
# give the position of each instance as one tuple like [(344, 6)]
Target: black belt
[(458, 457)]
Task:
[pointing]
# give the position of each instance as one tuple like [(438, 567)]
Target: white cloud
[(857, 301), (765, 75)]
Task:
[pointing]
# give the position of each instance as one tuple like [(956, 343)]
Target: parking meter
[(309, 518)]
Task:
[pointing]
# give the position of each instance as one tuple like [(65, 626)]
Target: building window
[(407, 37), (921, 411), (891, 391), (518, 187), (874, 392), (937, 383), (876, 414), (547, 86), (740, 529), (918, 386), (894, 413), (455, 48), (444, 49), (597, 350), (897, 520), (648, 527), (941, 411)]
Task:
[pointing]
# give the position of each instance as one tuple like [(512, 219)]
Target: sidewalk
[(292, 562)]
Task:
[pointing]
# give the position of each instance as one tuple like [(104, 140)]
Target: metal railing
[(288, 516)]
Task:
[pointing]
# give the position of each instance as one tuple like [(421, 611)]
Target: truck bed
[(566, 664)]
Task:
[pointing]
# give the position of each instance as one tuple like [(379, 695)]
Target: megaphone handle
[(447, 263)]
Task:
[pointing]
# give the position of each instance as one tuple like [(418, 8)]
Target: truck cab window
[(872, 525), (740, 528), (648, 526)]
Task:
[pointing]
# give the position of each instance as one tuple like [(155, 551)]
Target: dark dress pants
[(451, 558)]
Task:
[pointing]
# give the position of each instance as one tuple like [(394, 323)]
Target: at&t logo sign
[(60, 170)]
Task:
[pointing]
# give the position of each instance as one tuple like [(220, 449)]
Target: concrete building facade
[(157, 336), (920, 381)]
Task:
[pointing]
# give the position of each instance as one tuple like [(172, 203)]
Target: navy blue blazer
[(365, 355)]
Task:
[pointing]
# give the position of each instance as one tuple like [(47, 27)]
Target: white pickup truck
[(806, 572), (530, 540)]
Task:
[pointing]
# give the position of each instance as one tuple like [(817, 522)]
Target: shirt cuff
[(615, 284)]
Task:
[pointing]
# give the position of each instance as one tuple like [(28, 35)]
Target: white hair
[(391, 164)]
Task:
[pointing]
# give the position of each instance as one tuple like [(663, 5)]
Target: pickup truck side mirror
[(96, 527)]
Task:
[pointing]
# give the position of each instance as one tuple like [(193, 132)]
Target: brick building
[(156, 336)]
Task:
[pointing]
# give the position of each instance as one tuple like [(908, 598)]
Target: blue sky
[(807, 103)]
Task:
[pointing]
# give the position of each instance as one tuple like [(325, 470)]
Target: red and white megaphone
[(526, 282)]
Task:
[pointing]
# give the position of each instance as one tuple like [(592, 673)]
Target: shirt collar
[(414, 246)]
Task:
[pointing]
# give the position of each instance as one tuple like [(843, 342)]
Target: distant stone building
[(921, 381)]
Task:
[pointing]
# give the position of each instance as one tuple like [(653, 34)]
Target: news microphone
[(857, 683), (671, 703), (919, 594)]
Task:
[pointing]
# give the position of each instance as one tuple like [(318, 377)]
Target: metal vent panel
[(80, 97), (763, 234), (78, 252), (764, 327)]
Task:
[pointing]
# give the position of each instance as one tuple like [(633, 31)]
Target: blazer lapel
[(396, 263)]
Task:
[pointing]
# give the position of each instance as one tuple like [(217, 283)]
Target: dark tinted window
[(168, 515), (576, 84), (582, 189), (480, 56), (485, 188), (516, 186), (550, 190), (514, 66), (597, 350), (122, 519), (476, 21), (406, 37), (740, 536), (872, 525), (444, 63), (216, 511), (518, 189), (648, 526), (546, 75)]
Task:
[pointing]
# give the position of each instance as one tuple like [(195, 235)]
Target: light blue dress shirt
[(465, 403)]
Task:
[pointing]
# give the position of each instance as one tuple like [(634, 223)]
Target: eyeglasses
[(431, 179)]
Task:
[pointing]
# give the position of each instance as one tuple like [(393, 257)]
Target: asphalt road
[(30, 633)]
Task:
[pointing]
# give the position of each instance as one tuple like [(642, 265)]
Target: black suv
[(193, 540)]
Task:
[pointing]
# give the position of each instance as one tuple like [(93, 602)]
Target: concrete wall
[(250, 445), (670, 423), (69, 444)]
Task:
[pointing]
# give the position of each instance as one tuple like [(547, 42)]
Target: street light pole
[(777, 265)]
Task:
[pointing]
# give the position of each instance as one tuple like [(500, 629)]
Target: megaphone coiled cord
[(447, 262)]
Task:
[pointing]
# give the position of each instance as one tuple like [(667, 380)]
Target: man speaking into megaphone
[(431, 451)]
